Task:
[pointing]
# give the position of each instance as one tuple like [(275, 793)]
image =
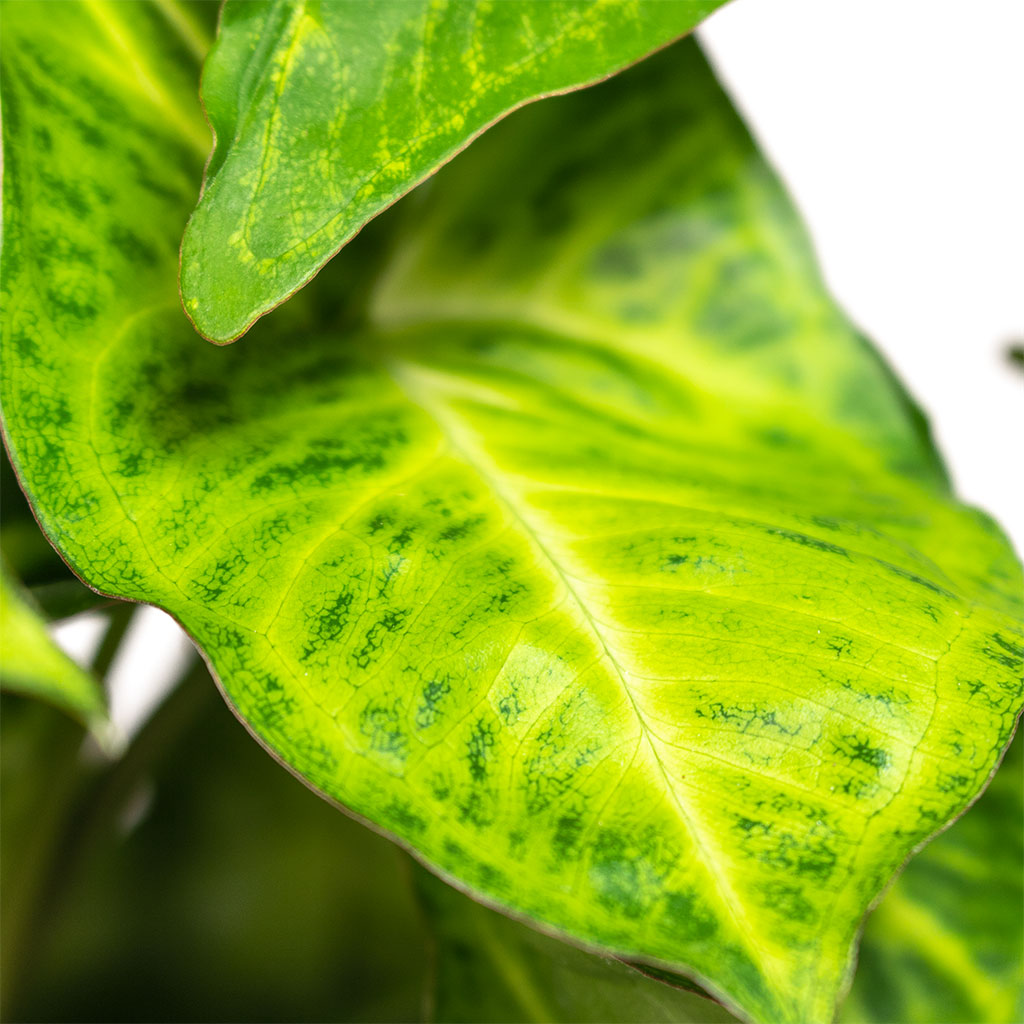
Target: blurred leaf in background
[(494, 969), (32, 663), (201, 882)]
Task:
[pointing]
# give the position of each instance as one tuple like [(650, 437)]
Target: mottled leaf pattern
[(945, 945), (25, 550), (326, 113), (604, 566)]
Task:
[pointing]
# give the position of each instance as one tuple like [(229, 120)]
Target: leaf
[(31, 559), (946, 944), (490, 969), (606, 567), (28, 554), (33, 664), (325, 114)]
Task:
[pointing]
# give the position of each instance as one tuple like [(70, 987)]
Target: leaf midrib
[(405, 376)]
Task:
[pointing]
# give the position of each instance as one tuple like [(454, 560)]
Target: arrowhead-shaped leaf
[(325, 113), (604, 566)]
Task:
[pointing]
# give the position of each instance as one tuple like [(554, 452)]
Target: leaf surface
[(605, 567), (31, 559), (490, 969), (325, 113), (29, 556)]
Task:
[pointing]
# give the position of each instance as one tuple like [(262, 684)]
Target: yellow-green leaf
[(31, 663), (604, 565)]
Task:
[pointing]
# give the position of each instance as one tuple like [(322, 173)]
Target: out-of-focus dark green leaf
[(39, 774), (217, 888), (491, 969), (35, 587)]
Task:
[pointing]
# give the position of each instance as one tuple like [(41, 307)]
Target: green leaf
[(33, 664), (30, 557), (325, 113), (28, 554), (490, 969), (946, 944), (606, 567)]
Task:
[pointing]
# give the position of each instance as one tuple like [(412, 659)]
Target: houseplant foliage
[(371, 98), (563, 530), (34, 664), (316, 922)]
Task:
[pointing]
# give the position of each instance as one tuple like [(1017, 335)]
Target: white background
[(898, 126)]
